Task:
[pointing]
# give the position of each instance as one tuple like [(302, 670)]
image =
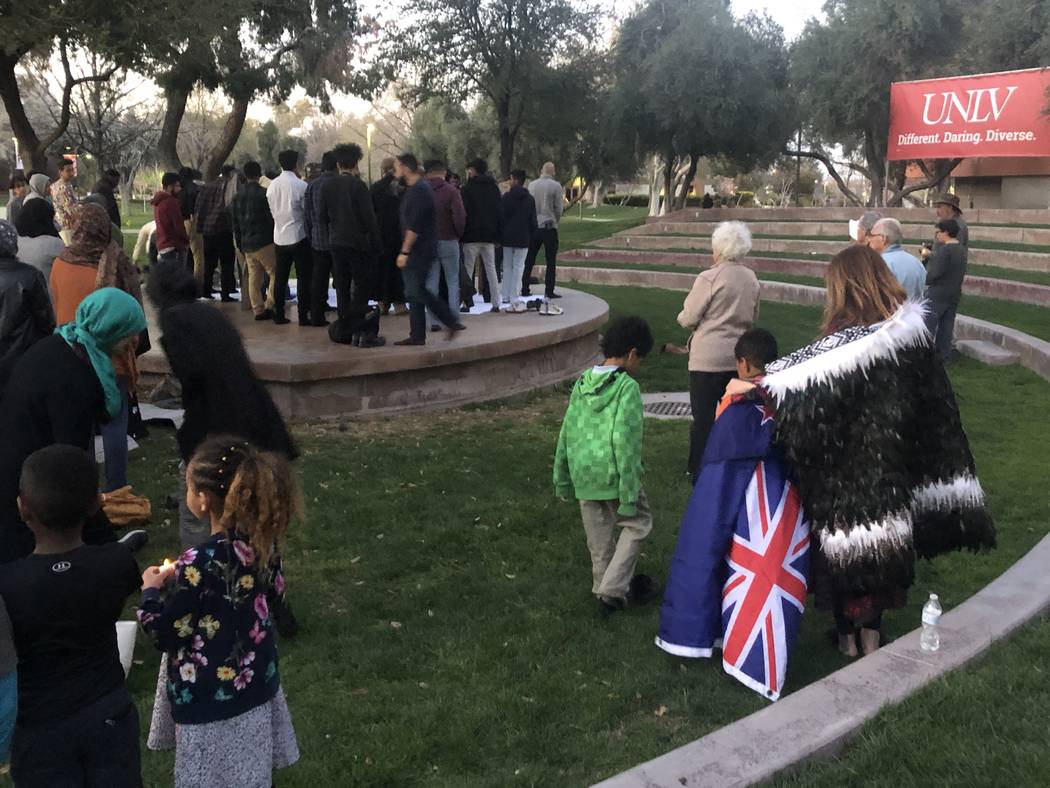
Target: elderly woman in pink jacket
[(721, 306)]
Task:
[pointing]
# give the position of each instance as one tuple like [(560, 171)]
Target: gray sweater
[(945, 273), (40, 252), (550, 200)]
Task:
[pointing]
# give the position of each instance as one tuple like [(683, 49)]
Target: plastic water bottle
[(931, 614)]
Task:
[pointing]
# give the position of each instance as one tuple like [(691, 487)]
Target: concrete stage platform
[(497, 356)]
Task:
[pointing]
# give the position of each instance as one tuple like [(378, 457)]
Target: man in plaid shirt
[(317, 233), (213, 222)]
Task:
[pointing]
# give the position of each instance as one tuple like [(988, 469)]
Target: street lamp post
[(370, 128)]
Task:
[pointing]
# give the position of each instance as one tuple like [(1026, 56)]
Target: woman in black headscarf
[(38, 241)]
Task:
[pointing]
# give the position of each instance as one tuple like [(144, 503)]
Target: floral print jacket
[(64, 198), (214, 624)]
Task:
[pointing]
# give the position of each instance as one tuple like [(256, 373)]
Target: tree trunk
[(174, 110), (598, 194), (231, 132), (125, 194), (29, 147), (687, 183), (668, 181), (876, 166), (942, 169), (653, 172)]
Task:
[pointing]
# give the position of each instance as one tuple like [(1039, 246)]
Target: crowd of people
[(867, 446), (72, 326), (888, 476), (412, 242), (65, 710)]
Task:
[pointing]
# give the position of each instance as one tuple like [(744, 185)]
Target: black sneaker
[(135, 540), (606, 607), (370, 340), (643, 589), (267, 315), (435, 327), (553, 295)]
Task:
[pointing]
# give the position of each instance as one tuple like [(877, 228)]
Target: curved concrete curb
[(987, 287), (820, 719), (1010, 259)]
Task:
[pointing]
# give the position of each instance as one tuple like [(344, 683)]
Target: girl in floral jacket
[(213, 621)]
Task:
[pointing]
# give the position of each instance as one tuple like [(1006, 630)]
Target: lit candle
[(166, 564)]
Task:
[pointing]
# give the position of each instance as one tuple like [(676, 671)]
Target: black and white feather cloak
[(869, 421)]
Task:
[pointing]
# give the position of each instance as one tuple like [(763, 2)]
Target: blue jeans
[(8, 711), (421, 300), (447, 261), (115, 443)]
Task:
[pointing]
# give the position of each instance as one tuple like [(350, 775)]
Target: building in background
[(1003, 182)]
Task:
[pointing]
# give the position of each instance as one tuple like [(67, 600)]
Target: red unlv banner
[(986, 115)]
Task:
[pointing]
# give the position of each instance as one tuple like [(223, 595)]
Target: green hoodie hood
[(599, 390)]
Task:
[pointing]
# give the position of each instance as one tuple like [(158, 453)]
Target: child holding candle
[(232, 724)]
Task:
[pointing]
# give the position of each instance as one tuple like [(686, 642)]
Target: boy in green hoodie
[(599, 462)]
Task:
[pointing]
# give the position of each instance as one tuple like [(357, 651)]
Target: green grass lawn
[(581, 228), (982, 726), (449, 637)]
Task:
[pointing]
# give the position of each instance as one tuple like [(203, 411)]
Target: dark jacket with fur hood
[(869, 421)]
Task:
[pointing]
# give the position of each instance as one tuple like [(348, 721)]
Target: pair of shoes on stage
[(267, 315)]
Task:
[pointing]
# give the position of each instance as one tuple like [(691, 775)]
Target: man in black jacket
[(481, 199), (104, 194), (346, 211), (518, 225), (253, 233), (386, 200)]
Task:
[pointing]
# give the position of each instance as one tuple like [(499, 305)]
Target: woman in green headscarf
[(59, 390)]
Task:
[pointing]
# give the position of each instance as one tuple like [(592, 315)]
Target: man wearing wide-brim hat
[(946, 206)]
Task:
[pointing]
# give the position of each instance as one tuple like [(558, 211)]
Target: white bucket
[(126, 643)]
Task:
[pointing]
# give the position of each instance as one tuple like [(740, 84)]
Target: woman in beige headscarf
[(92, 261)]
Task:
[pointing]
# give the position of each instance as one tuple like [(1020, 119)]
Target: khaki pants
[(260, 262), (613, 559), (197, 247)]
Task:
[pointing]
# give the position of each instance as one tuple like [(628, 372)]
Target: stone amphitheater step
[(1004, 289), (1018, 261), (987, 352), (995, 216), (915, 231)]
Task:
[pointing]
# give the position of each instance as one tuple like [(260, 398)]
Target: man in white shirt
[(292, 247)]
